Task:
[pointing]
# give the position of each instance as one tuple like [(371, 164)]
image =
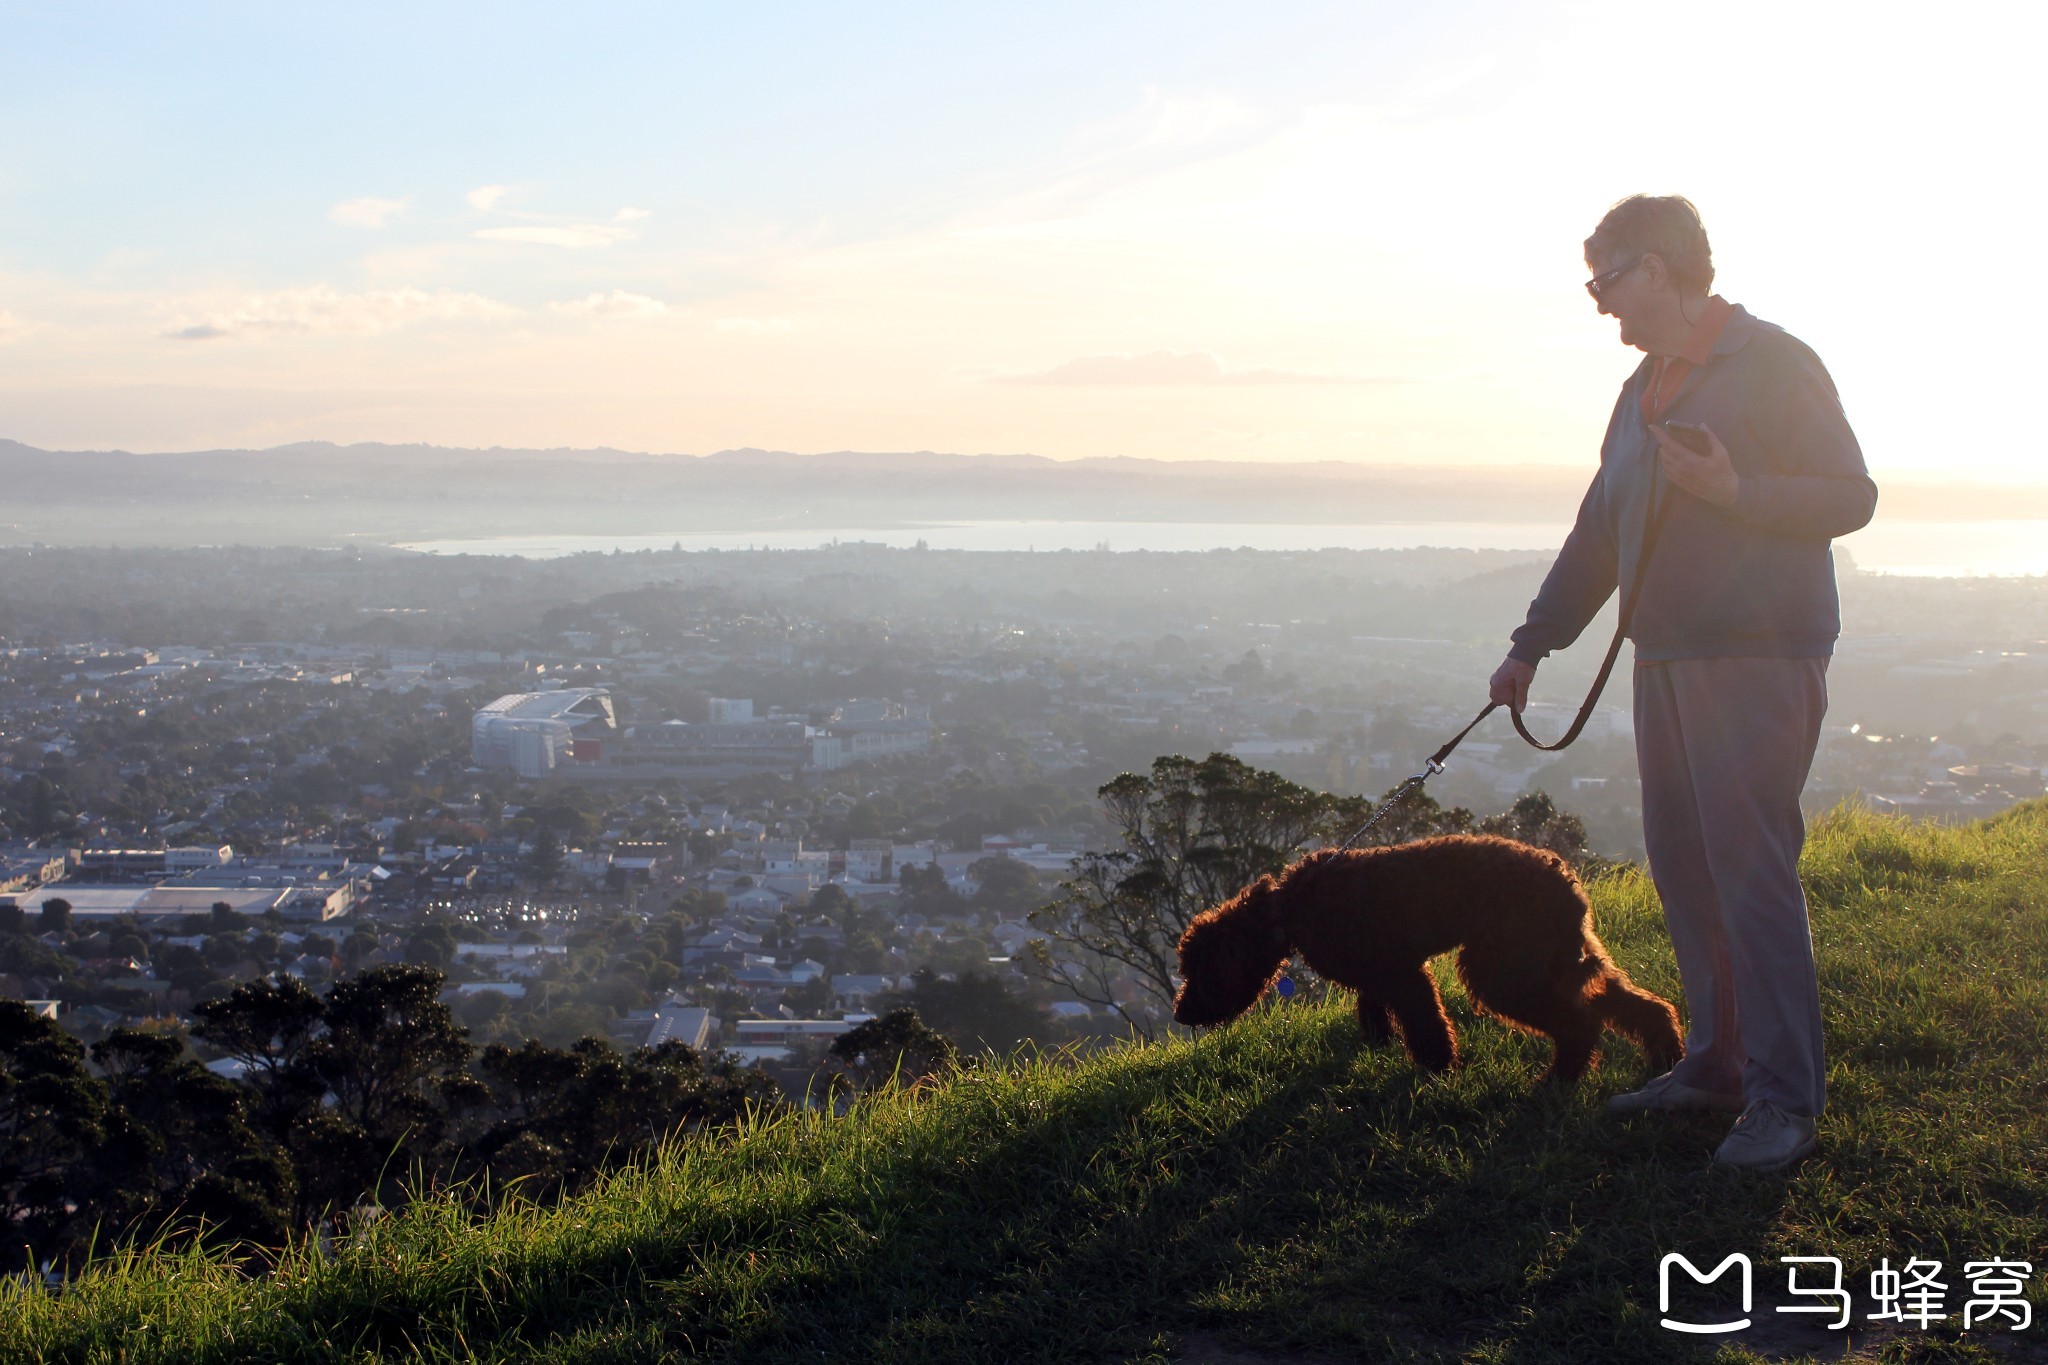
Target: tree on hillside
[(356, 949), (431, 945), (484, 1011), (178, 1149), (1535, 819), (38, 805), (830, 899), (566, 816), (1193, 833), (52, 1118), (270, 1026), (267, 1026), (926, 892), (1008, 889), (809, 999), (387, 1038), (897, 1048), (544, 863), (871, 819), (976, 1011), (56, 916), (698, 906), (1417, 815), (1247, 673), (865, 945), (563, 1115)]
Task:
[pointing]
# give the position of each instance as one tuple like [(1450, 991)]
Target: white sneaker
[(1766, 1138), (1667, 1092)]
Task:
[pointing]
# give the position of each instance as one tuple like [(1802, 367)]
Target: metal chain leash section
[(1430, 769), (1410, 785)]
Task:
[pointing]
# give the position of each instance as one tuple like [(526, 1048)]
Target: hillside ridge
[(1272, 1188)]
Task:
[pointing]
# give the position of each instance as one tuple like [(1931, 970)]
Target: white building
[(675, 1022), (770, 1040), (156, 903), (867, 860), (878, 729), (534, 733), (197, 858), (911, 855), (724, 748)]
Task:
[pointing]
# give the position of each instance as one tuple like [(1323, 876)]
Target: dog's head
[(1229, 956)]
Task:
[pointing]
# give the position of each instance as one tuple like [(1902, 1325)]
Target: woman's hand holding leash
[(1696, 461), (1509, 685)]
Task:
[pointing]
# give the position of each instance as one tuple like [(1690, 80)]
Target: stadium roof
[(573, 704)]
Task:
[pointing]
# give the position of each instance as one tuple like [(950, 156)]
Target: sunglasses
[(1600, 284)]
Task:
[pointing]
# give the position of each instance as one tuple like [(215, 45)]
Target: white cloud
[(1190, 121), (617, 304), (752, 326), (1162, 133), (367, 212), (12, 328), (484, 198), (1166, 367), (320, 310), (574, 236), (628, 215)]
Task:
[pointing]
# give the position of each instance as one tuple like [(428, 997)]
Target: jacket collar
[(1737, 331)]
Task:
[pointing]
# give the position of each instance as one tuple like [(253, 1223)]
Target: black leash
[(1653, 525)]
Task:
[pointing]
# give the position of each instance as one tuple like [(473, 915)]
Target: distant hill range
[(318, 493)]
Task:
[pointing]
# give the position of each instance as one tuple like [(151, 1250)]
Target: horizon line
[(1909, 474)]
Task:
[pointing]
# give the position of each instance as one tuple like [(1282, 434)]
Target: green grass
[(1275, 1188)]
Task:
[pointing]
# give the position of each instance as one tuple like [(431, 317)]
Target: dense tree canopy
[(975, 1011), (343, 1098), (897, 1048)]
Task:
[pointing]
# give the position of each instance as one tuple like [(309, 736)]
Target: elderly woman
[(1737, 424)]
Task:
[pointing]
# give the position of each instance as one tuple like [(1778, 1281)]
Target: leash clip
[(1431, 766)]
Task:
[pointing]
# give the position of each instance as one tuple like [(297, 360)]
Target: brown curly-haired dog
[(1372, 918)]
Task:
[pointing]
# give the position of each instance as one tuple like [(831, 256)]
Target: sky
[(1274, 231)]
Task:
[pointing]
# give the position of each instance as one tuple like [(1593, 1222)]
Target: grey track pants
[(1724, 746)]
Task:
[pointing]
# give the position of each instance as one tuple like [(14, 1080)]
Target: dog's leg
[(1647, 1018), (1372, 1018), (1575, 1043), (1563, 1015), (1426, 1031)]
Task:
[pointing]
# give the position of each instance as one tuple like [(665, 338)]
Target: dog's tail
[(1647, 1018)]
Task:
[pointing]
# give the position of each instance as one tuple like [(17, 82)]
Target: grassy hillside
[(1272, 1191)]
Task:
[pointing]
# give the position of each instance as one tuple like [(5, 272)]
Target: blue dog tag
[(1285, 985)]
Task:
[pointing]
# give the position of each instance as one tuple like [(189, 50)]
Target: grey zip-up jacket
[(1755, 579)]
